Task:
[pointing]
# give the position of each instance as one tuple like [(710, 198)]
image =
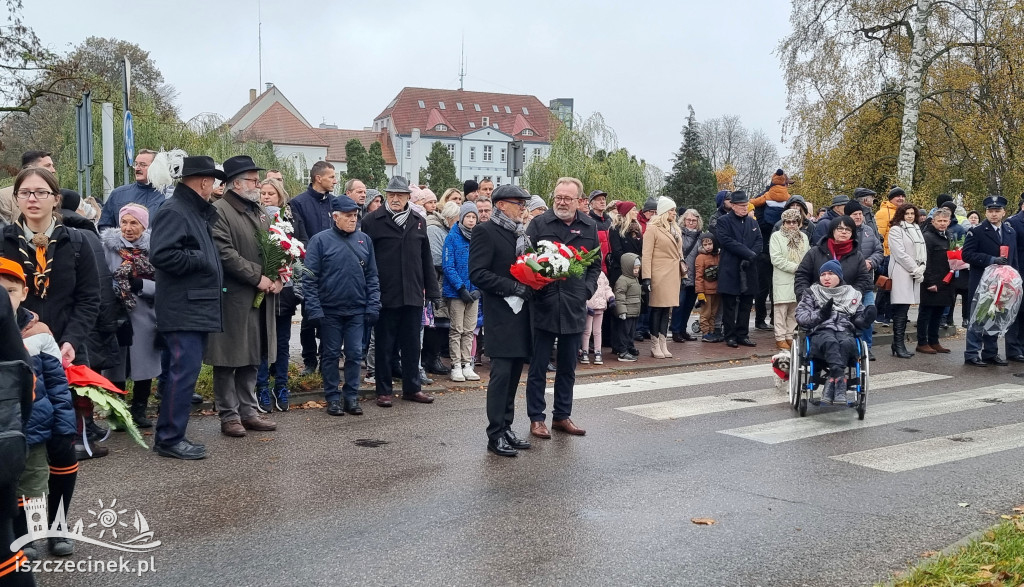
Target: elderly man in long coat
[(249, 332), (740, 239), (493, 250)]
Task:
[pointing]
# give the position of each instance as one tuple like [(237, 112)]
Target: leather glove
[(645, 286), (521, 291), (436, 302), (1001, 261), (135, 285), (370, 319), (622, 316), (475, 293), (465, 296), (826, 311), (313, 322), (866, 318)]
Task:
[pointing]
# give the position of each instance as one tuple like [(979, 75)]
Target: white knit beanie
[(665, 204)]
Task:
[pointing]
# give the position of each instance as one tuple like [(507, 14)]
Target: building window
[(504, 155), (472, 153), (458, 105), (497, 180), (495, 106), (477, 106), (451, 150), (487, 178), (525, 111), (441, 105), (508, 110), (420, 102), (408, 150), (495, 125), (527, 132), (472, 124), (488, 153), (536, 153), (476, 178), (408, 176), (441, 127), (485, 121)]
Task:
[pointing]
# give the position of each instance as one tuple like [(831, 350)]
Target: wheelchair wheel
[(803, 407), (794, 377)]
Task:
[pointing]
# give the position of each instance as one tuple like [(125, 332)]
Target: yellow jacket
[(885, 215)]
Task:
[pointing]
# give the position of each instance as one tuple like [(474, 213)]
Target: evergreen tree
[(692, 182), (358, 162), (440, 172), (378, 168)]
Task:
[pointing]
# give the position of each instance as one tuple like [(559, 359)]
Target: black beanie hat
[(851, 207), (469, 186), (942, 198)]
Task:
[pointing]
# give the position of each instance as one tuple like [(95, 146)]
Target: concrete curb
[(951, 549)]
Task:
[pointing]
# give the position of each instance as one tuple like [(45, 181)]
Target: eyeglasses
[(518, 203), (39, 194), (790, 222), (565, 199), (843, 228)]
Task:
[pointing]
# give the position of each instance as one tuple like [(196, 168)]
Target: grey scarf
[(498, 217), (466, 232), (401, 217), (845, 298)]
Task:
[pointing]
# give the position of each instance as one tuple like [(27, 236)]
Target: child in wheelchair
[(831, 313)]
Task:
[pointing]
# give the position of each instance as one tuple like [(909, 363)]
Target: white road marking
[(879, 414), (695, 406), (936, 451), (637, 384)]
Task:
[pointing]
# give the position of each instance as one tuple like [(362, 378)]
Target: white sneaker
[(457, 374), (469, 373), (597, 359)]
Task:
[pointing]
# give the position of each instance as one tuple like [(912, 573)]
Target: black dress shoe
[(197, 399), (688, 337), (997, 361), (501, 447), (183, 450), (976, 362), (731, 343), (1016, 358), (353, 408), (334, 408), (762, 326), (746, 342), (436, 367), (516, 442), (676, 337)]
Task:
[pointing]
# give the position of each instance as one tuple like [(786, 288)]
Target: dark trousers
[(659, 321), (837, 349), (308, 336), (928, 320), (501, 394), (624, 331), (681, 313), (736, 316), (762, 302), (336, 331), (279, 367), (643, 321), (565, 374), (398, 327), (1015, 337), (186, 351)]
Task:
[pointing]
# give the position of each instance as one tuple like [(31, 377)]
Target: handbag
[(883, 283)]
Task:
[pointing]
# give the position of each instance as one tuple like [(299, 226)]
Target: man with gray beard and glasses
[(249, 332)]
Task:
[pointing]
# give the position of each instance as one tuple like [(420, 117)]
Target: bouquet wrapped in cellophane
[(997, 300)]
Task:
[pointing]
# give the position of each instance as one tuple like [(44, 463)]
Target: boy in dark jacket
[(628, 299), (831, 311), (51, 467)]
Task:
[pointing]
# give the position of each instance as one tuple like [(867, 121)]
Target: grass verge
[(995, 559)]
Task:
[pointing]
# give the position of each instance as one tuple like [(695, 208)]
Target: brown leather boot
[(568, 427), (937, 347), (926, 349), (233, 428), (783, 344), (539, 429)]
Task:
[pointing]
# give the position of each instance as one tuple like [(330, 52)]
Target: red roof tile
[(336, 138), (280, 126), (521, 124), (406, 113)]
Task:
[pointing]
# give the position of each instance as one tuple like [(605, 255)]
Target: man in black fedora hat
[(740, 239), (189, 281), (250, 332)]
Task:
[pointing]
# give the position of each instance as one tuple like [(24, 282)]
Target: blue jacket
[(312, 213), (740, 239), (344, 275), (52, 410), (138, 193), (1017, 222), (455, 260), (981, 248)]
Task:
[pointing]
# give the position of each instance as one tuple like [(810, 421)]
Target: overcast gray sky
[(639, 63)]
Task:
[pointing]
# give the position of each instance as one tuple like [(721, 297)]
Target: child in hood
[(627, 303), (832, 312), (706, 283), (774, 200), (596, 305)]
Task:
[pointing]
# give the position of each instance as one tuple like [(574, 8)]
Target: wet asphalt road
[(408, 495)]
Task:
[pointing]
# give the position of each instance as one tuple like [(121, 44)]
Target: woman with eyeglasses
[(907, 261), (59, 264), (840, 243)]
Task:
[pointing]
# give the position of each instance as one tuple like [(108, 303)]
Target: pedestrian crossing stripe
[(697, 406), (936, 451), (638, 384), (840, 420)]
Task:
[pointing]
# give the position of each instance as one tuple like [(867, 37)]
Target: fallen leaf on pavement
[(703, 521), (929, 553), (1006, 517), (1019, 509)]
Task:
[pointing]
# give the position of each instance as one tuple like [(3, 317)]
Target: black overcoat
[(561, 307), (492, 251), (405, 267)]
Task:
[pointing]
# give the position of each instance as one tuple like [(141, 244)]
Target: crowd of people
[(151, 286)]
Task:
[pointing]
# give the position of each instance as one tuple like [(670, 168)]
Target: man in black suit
[(981, 249), (492, 251), (559, 309)]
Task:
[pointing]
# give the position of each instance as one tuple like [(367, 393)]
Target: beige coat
[(784, 272), (244, 340), (660, 263)]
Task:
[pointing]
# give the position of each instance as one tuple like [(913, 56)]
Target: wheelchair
[(807, 374)]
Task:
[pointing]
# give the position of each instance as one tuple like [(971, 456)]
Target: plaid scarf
[(498, 217)]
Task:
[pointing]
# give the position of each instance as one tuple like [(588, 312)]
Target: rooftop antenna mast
[(259, 39), (462, 62)]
